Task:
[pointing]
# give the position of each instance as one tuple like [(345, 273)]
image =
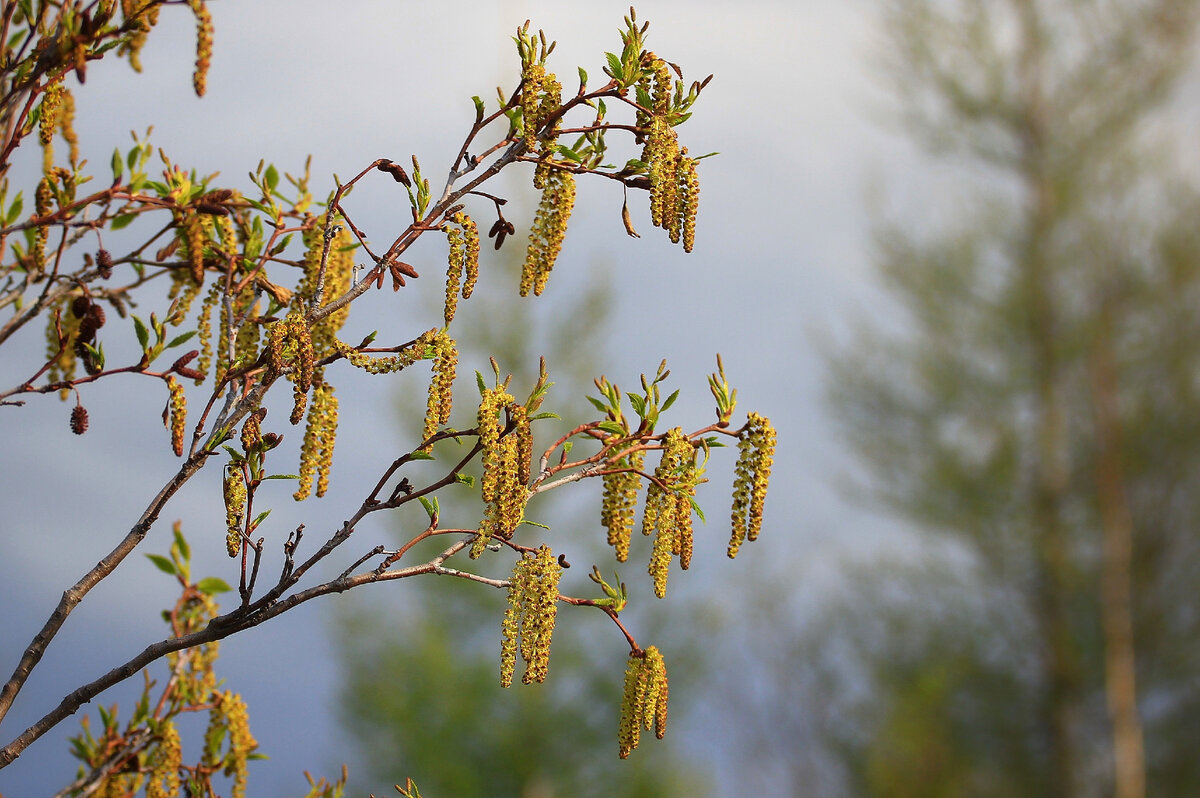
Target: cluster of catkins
[(506, 462), (644, 702), (529, 621)]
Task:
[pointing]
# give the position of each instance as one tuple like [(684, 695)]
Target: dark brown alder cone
[(79, 419)]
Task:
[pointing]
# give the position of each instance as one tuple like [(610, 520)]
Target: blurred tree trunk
[(995, 423), (1116, 588)]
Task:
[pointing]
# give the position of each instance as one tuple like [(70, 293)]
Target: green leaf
[(122, 221), (185, 551), (271, 177), (582, 77), (614, 66), (212, 586), (180, 339), (14, 210), (596, 403), (465, 479), (118, 165), (534, 523), (569, 154), (258, 519), (482, 385), (696, 509), (430, 505), (639, 404), (479, 111), (143, 335), (164, 565), (547, 414), (611, 426), (670, 401), (283, 476), (420, 455)]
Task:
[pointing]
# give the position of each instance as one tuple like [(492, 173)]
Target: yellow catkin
[(252, 431), (644, 701), (43, 206), (246, 340), (668, 507), (529, 620), (548, 231), (471, 256), (689, 188), (320, 434), (51, 104), (163, 781), (756, 454), (241, 741), (141, 16), (66, 124), (619, 505), (386, 365), (290, 352), (204, 330), (462, 270), (453, 271), (235, 510), (533, 76), (204, 45), (661, 155), (441, 384), (177, 415), (502, 492), (194, 232)]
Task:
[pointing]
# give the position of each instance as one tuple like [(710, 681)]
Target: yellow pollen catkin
[(756, 453), (177, 415), (528, 624), (548, 231), (644, 701), (235, 510)]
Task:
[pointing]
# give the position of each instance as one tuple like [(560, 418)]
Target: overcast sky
[(781, 262)]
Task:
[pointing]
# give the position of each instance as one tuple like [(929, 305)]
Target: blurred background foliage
[(1030, 418)]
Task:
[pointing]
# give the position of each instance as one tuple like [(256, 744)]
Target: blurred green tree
[(1039, 413)]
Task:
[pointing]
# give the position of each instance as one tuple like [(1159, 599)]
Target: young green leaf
[(164, 565), (212, 586)]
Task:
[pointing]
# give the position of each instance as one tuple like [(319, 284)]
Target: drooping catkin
[(204, 45), (756, 454), (441, 384), (548, 231), (503, 492), (176, 416), (163, 779), (528, 624), (320, 434), (619, 505), (290, 352), (668, 510), (644, 701), (235, 509)]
